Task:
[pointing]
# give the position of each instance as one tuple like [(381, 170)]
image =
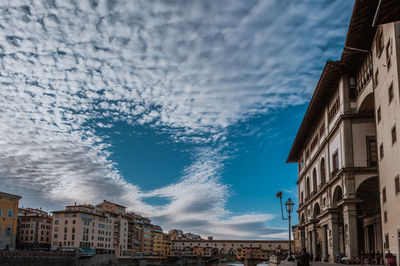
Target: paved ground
[(293, 263)]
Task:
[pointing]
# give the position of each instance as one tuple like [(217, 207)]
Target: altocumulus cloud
[(191, 68)]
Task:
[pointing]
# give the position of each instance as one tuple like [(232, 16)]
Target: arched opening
[(367, 105), (322, 172), (337, 195), (307, 187), (302, 220), (316, 211), (314, 180), (214, 252), (232, 251), (369, 218)]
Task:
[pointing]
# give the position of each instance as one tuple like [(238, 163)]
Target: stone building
[(347, 149), (34, 229)]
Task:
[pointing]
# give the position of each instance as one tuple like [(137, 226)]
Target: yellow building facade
[(8, 220)]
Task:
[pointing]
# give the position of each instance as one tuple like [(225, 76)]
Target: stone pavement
[(317, 263)]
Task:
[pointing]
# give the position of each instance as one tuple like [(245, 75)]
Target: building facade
[(347, 149), (8, 220), (161, 243), (34, 229)]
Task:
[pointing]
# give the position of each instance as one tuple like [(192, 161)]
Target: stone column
[(324, 243), (302, 238), (314, 242), (366, 239), (350, 229), (333, 236)]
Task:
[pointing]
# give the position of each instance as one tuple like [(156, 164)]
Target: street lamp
[(289, 204)]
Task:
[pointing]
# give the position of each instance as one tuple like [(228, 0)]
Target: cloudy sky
[(183, 110)]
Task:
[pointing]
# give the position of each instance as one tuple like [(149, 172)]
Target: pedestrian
[(390, 259), (304, 258)]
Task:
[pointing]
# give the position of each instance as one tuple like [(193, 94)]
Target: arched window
[(323, 172), (307, 187), (314, 180)]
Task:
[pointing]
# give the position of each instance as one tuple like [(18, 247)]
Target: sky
[(184, 111)]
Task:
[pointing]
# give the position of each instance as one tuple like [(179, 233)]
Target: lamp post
[(289, 204)]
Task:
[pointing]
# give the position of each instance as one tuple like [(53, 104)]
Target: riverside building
[(347, 146), (8, 220), (34, 229)]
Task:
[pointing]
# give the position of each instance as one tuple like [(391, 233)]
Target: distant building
[(190, 236), (161, 243), (34, 229), (175, 234), (8, 220), (242, 249)]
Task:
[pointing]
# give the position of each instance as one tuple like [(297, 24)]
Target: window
[(333, 109), (322, 130), (394, 134), (389, 54), (390, 91), (372, 152), (1, 212), (322, 170), (314, 143), (386, 244), (385, 218), (314, 180), (55, 221), (10, 213), (384, 195), (379, 42), (396, 184), (378, 114), (335, 162), (55, 236), (364, 75), (381, 151), (66, 221)]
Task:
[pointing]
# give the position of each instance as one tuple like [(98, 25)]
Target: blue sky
[(182, 110)]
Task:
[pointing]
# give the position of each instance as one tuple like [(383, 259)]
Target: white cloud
[(193, 69)]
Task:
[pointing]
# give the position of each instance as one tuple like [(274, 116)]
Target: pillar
[(314, 242), (302, 238), (333, 236), (325, 243), (350, 229)]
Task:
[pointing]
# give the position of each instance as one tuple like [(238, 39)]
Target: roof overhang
[(327, 84)]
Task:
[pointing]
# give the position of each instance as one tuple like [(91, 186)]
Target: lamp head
[(289, 205), (279, 194)]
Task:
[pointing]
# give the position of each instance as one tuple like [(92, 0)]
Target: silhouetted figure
[(303, 259), (390, 259)]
